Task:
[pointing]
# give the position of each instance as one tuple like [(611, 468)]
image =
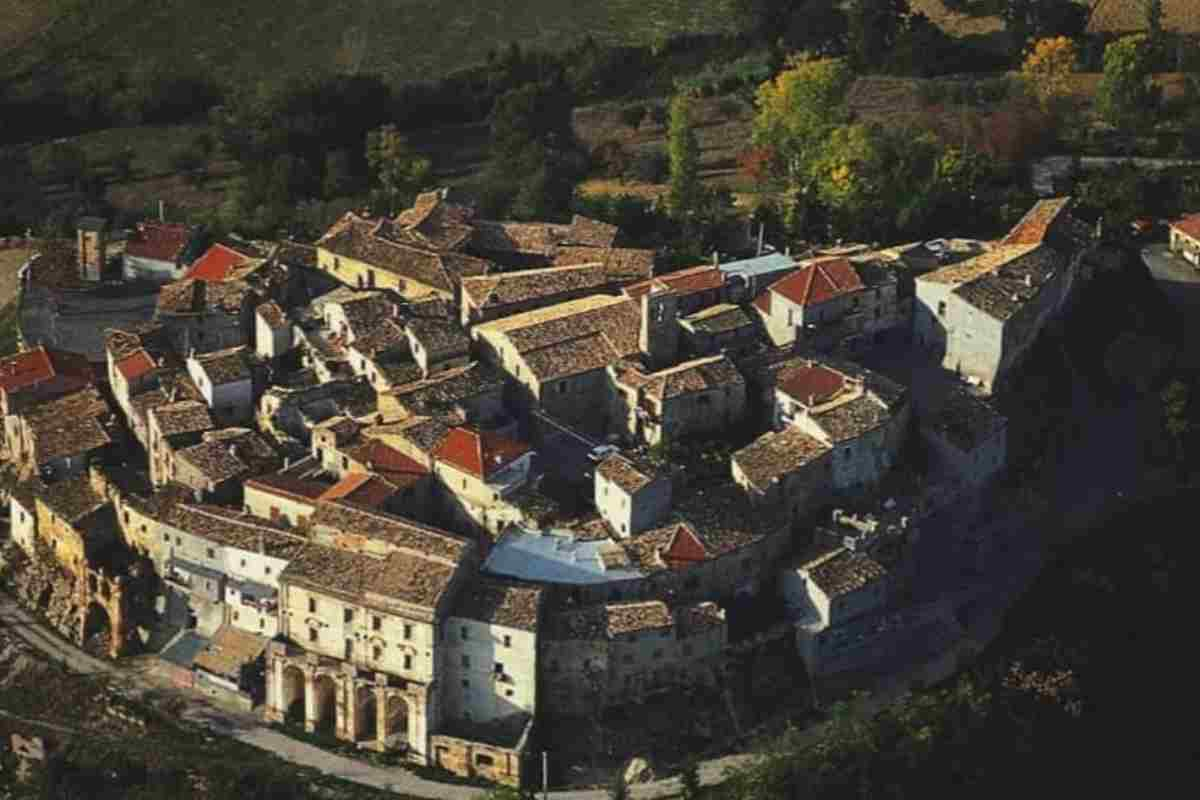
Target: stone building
[(362, 613), (174, 426), (272, 331), (723, 328), (689, 399), (981, 316), (291, 413), (631, 497), (160, 251), (966, 434), (695, 288), (204, 316), (608, 655), (39, 374), (217, 466), (61, 437), (504, 294), (834, 303), (224, 379), (1185, 238), (467, 395), (478, 472), (289, 496), (437, 344)]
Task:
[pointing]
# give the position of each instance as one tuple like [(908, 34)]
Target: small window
[(466, 684), (942, 308), (377, 624), (464, 483), (345, 463), (126, 517), (407, 629), (212, 553), (312, 634), (466, 662), (267, 570), (348, 615), (179, 540), (166, 536), (508, 693), (312, 605), (498, 668), (562, 387), (235, 616), (507, 640), (408, 662), (483, 760), (243, 562), (463, 633), (349, 653), (262, 622), (377, 653)]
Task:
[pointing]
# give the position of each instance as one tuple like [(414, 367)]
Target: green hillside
[(402, 39)]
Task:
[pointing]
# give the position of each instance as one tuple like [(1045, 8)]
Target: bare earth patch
[(10, 262)]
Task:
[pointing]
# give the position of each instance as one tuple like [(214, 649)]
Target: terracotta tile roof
[(31, 367), (841, 571), (426, 433), (584, 353), (1032, 228), (296, 254), (135, 365), (621, 263), (684, 282), (1004, 290), (386, 461), (362, 489), (230, 454), (225, 366), (690, 377), (621, 471), (479, 453), (626, 618), (187, 416), (819, 281), (965, 420), (233, 528), (720, 517), (386, 337), (71, 499), (228, 651), (153, 336), (440, 339), (395, 249), (684, 549), (217, 263), (523, 286), (366, 312), (853, 418), (440, 393), (810, 382), (591, 232), (533, 238), (181, 297), (399, 372), (971, 268), (500, 603), (273, 315), (298, 480), (392, 530), (720, 318), (763, 301), (698, 619), (1188, 225), (69, 425), (388, 582), (159, 241), (776, 454)]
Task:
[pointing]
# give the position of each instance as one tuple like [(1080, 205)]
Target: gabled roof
[(819, 281), (386, 461), (479, 453), (1188, 225), (684, 281), (625, 474), (39, 365), (217, 263), (685, 548), (591, 232), (1033, 227), (273, 315), (509, 288), (186, 416), (776, 454), (224, 366), (617, 318), (362, 489), (159, 241), (810, 382), (500, 603), (622, 263), (135, 365), (839, 571)]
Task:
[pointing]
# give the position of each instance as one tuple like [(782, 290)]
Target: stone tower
[(658, 337), (92, 240)]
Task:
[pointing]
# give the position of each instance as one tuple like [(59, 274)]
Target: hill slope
[(403, 39)]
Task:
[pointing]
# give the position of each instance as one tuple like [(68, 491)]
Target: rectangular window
[(377, 624), (212, 553), (312, 634), (349, 654), (407, 630), (942, 308), (267, 570), (507, 641), (466, 662), (483, 760), (463, 632), (348, 615), (498, 669), (408, 662), (312, 605), (377, 653)]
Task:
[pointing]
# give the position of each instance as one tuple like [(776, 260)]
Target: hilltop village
[(432, 476)]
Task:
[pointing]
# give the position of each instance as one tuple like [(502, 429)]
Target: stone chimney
[(658, 336), (716, 259), (92, 245), (1028, 280)]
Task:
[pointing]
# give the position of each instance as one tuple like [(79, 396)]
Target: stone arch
[(396, 720), (291, 694), (97, 630), (324, 703), (365, 714)]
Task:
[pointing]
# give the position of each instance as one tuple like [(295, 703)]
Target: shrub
[(650, 166), (633, 115), (611, 159), (931, 92), (730, 107)]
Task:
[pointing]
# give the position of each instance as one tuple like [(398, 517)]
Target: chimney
[(812, 400), (761, 229), (162, 211), (716, 259), (1028, 280), (287, 462), (787, 251)]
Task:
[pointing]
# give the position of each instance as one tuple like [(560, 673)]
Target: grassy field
[(406, 40), (1110, 16)]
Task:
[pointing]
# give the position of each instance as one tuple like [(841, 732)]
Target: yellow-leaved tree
[(1047, 69)]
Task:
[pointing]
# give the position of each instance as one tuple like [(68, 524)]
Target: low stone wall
[(476, 759)]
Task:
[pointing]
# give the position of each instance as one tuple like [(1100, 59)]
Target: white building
[(491, 651), (272, 331), (629, 497), (223, 377)]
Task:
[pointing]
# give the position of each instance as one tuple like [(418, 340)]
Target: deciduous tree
[(394, 166), (683, 150), (1127, 97), (1047, 69)]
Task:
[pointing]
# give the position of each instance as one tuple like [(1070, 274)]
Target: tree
[(618, 789), (339, 179), (1176, 421), (122, 163), (1041, 19), (683, 150), (1153, 11), (64, 162), (872, 29), (1127, 97), (394, 166), (689, 778), (1047, 69)]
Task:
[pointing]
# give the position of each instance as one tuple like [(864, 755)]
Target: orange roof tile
[(479, 454), (216, 264), (819, 281), (1188, 225), (684, 281), (135, 365), (1033, 226), (158, 241), (812, 380), (684, 550), (39, 364)]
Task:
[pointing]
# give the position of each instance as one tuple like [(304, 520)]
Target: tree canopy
[(1127, 97)]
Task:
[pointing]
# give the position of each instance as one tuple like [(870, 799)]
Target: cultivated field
[(1110, 16), (406, 40)]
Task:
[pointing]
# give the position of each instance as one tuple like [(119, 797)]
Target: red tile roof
[(819, 281), (684, 550), (1032, 228), (479, 454), (216, 264), (345, 486), (135, 365), (763, 302), (159, 241), (386, 461), (810, 381), (1189, 225), (32, 367), (685, 281)]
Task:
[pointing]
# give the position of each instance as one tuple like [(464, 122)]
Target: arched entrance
[(325, 703), (97, 631), (396, 721), (365, 715), (291, 695)]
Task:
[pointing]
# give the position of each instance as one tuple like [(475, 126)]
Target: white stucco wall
[(260, 503), (630, 515), (491, 672)]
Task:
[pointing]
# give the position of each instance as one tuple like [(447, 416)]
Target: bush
[(650, 166), (931, 92), (611, 159), (730, 107), (633, 115)]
